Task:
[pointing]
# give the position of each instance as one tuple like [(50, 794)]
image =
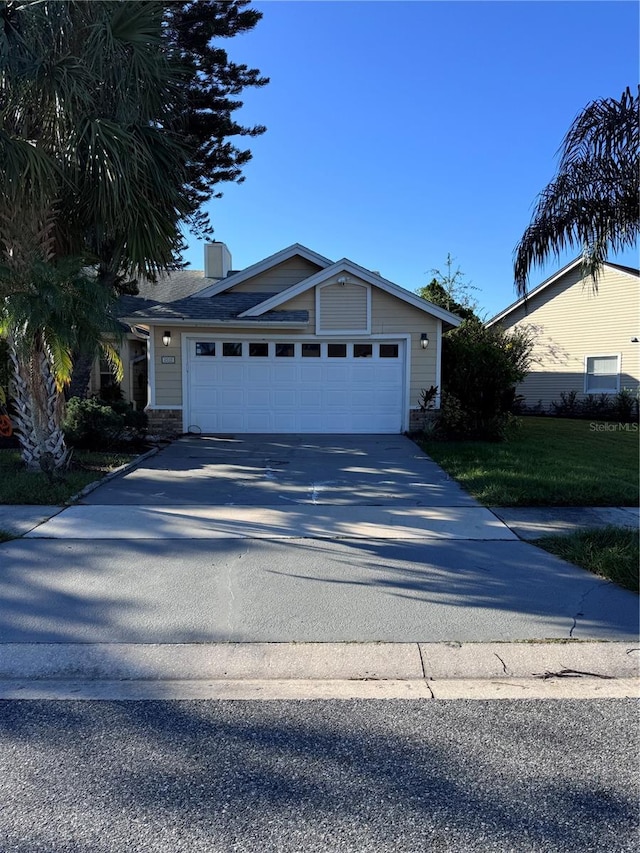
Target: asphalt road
[(349, 776)]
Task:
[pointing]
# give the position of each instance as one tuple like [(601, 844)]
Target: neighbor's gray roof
[(224, 306)]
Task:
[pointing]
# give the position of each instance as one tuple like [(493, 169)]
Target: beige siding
[(390, 316), (571, 321), (343, 306), (304, 302), (168, 376), (279, 277)]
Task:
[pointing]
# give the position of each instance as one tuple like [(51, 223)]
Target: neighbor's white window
[(602, 374)]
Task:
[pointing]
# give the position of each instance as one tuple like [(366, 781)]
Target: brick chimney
[(217, 260)]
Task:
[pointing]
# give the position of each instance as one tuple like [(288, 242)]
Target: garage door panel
[(230, 398), (295, 394), (311, 373), (231, 373), (259, 374), (259, 398)]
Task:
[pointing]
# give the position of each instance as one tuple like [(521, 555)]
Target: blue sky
[(399, 132)]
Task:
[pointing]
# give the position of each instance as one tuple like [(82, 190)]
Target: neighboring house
[(295, 344), (586, 336)]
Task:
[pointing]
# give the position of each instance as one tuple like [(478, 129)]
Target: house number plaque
[(168, 359)]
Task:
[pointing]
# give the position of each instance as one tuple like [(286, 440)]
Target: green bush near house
[(95, 424), (548, 462), (481, 367)]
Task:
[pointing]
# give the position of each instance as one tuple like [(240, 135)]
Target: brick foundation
[(418, 419), (166, 422)]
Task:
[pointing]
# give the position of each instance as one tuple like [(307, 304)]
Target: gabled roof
[(551, 280), (369, 277), (263, 266)]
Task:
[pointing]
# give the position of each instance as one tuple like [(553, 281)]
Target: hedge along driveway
[(548, 462)]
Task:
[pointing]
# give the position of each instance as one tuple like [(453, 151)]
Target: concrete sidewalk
[(538, 521), (525, 522), (319, 670)]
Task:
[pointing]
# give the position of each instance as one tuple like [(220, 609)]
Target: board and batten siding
[(343, 307), (279, 277), (571, 320)]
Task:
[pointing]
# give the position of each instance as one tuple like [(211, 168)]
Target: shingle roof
[(173, 286), (224, 306)]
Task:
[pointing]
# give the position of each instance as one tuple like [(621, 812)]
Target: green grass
[(18, 486), (610, 552), (547, 462)]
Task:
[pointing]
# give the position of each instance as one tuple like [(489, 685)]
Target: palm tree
[(593, 201), (59, 309), (90, 178)]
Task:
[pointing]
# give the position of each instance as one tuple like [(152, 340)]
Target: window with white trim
[(601, 374)]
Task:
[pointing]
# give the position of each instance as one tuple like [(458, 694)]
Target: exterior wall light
[(424, 340), (166, 338)]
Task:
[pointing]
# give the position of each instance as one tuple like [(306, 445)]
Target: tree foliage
[(90, 178), (592, 203), (481, 367), (450, 290), (205, 116)]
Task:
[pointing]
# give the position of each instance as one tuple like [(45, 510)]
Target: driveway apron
[(293, 538)]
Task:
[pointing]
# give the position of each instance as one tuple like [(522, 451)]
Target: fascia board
[(345, 265), (263, 266), (173, 321)]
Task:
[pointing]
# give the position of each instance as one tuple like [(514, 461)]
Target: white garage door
[(295, 387)]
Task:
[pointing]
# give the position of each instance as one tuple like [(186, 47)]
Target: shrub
[(91, 424), (480, 369), (625, 405), (568, 407), (98, 424)]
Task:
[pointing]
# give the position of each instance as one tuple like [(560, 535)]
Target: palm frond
[(593, 202)]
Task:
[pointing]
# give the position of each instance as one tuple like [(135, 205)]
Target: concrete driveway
[(293, 538), (272, 470)]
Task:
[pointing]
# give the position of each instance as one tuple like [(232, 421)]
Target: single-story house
[(586, 333), (295, 343)]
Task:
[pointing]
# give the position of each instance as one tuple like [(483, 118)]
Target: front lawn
[(611, 552), (548, 462), (18, 486)]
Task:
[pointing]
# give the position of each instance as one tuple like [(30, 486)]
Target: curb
[(117, 472), (572, 669)]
